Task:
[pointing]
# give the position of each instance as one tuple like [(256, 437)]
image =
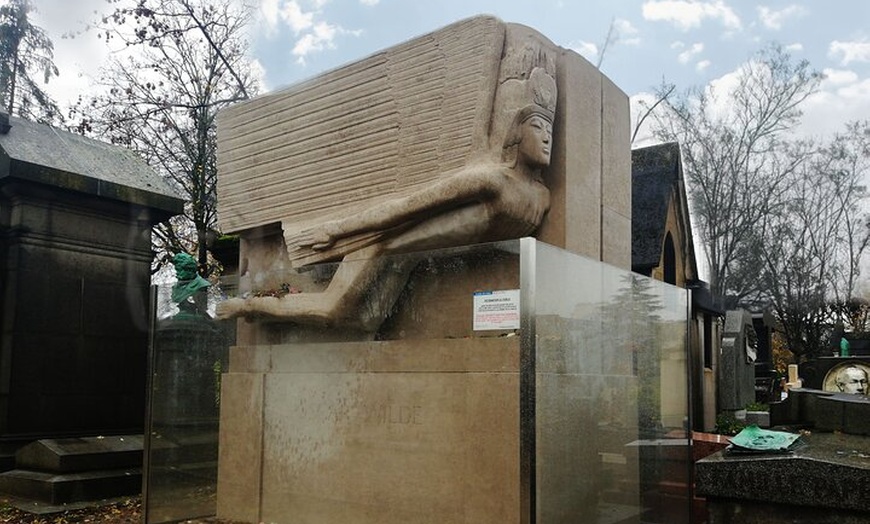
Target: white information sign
[(497, 310)]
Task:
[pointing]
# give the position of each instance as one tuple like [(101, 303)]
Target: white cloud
[(795, 47), (678, 45), (719, 93), (686, 56), (842, 98), (725, 84), (269, 14), (259, 73), (858, 91), (321, 37), (689, 14), (702, 66), (848, 52), (295, 17), (587, 50), (626, 31), (837, 77), (77, 57), (624, 27), (311, 31), (773, 19)]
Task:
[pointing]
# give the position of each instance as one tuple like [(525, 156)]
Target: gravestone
[(362, 387), (54, 472), (75, 268), (832, 373), (736, 388)]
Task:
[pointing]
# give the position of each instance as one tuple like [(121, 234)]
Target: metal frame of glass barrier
[(601, 430), (528, 484)]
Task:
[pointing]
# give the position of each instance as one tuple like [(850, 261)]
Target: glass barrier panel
[(611, 380), (188, 356), (474, 364)]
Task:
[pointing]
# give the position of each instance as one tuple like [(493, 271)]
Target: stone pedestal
[(373, 432), (190, 354), (562, 420)]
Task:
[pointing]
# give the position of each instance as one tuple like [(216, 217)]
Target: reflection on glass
[(602, 388), (189, 353), (611, 393)]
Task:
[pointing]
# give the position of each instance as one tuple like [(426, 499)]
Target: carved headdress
[(526, 87)]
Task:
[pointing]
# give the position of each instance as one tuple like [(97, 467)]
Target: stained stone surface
[(376, 127), (828, 476), (372, 432), (420, 420), (81, 454)]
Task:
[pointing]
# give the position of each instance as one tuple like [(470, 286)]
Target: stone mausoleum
[(75, 266)]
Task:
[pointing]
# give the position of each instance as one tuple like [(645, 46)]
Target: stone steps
[(60, 488), (64, 470)]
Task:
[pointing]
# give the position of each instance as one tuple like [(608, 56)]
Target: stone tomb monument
[(737, 369), (361, 388)]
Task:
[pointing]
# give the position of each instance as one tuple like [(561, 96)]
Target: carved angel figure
[(497, 199)]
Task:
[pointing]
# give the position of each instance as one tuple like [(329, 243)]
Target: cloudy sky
[(686, 42)]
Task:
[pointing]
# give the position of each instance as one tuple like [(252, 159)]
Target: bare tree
[(812, 246), (162, 100), (781, 220), (847, 160), (663, 94), (25, 51), (736, 158)]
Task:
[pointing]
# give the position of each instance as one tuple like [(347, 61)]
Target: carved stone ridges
[(375, 128)]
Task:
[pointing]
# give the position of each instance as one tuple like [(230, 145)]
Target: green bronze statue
[(188, 290)]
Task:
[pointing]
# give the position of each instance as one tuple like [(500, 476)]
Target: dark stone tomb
[(736, 387), (61, 471), (76, 217), (823, 480)]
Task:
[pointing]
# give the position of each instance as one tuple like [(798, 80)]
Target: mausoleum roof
[(44, 154), (655, 174)]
